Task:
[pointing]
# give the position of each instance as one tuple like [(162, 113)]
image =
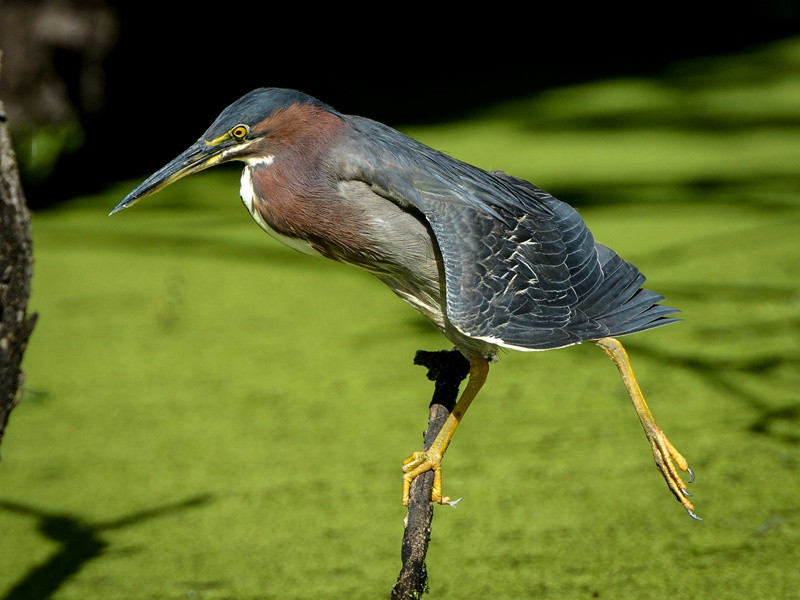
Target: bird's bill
[(197, 157)]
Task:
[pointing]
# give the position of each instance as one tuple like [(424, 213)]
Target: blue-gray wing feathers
[(521, 268)]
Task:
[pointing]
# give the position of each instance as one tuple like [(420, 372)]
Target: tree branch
[(16, 269), (447, 369)]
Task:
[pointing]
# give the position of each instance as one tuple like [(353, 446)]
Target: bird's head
[(238, 133)]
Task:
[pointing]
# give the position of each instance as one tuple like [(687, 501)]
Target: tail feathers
[(639, 314), (620, 303)]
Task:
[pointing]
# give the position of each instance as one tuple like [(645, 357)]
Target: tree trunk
[(16, 269)]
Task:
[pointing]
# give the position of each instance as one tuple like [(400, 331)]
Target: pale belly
[(414, 274)]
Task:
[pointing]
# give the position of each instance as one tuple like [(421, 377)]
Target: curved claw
[(694, 516), (667, 457)]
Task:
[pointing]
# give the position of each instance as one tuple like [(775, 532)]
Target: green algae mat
[(210, 415)]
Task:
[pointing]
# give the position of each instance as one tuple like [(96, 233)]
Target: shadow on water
[(777, 421), (79, 542)]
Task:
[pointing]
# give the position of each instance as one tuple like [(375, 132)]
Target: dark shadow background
[(144, 79)]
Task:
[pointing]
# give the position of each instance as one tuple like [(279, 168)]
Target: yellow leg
[(431, 459), (663, 451)]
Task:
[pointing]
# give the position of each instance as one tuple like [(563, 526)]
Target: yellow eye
[(239, 132)]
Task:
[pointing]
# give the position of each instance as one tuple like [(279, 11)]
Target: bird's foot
[(666, 457), (419, 463)]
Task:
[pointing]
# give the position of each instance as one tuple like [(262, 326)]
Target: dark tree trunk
[(16, 269)]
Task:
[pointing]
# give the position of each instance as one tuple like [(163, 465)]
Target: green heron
[(493, 261)]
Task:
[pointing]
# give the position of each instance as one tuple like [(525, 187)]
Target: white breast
[(248, 199)]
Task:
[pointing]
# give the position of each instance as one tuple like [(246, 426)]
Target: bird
[(492, 260)]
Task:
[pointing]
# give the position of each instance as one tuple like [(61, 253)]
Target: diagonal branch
[(447, 369)]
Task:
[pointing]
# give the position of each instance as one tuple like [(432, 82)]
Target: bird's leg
[(663, 450), (431, 459)]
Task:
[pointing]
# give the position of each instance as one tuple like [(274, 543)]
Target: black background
[(176, 65)]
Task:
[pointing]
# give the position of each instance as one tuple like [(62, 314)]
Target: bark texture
[(16, 270)]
